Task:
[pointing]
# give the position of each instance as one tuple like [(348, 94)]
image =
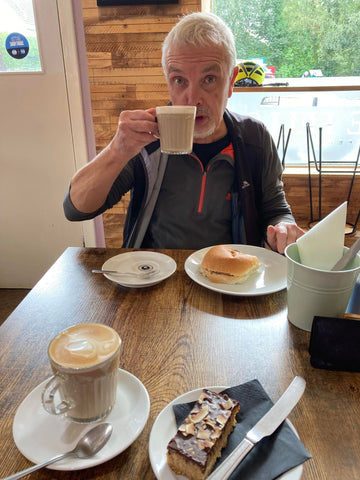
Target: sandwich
[(223, 264)]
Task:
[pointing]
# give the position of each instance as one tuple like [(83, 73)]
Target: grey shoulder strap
[(143, 222)]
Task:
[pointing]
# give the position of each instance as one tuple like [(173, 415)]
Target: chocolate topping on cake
[(197, 436)]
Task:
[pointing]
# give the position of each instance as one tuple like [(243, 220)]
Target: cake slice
[(198, 442)]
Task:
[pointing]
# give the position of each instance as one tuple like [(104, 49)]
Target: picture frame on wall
[(107, 3)]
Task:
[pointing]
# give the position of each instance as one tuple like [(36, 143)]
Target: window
[(337, 113), (310, 51), (296, 38), (19, 50)]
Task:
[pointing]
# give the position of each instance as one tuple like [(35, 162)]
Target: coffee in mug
[(176, 128), (85, 362)]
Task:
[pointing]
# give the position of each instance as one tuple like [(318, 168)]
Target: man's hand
[(136, 129), (282, 235), (92, 183)]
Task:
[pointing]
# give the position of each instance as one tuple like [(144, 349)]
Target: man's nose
[(193, 95)]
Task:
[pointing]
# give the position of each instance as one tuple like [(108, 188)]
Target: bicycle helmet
[(251, 74)]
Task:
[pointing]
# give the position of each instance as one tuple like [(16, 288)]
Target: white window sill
[(305, 84)]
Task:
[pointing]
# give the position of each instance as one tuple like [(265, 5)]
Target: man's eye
[(178, 81), (210, 79)]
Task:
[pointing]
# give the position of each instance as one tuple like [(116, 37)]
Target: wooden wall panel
[(335, 190), (124, 58)]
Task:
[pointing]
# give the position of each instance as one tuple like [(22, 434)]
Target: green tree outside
[(296, 35)]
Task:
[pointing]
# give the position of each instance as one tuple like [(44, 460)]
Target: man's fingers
[(282, 235)]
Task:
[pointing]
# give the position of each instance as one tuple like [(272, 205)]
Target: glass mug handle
[(48, 396)]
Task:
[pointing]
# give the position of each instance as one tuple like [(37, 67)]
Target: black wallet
[(335, 344)]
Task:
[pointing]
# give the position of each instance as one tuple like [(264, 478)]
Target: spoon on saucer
[(88, 445), (143, 274)]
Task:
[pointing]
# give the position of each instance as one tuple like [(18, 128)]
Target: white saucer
[(164, 429), (140, 261), (270, 278), (40, 436)]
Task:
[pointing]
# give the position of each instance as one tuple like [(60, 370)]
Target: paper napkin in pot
[(323, 245)]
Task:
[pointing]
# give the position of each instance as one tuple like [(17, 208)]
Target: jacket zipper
[(203, 184), (202, 191), (228, 150)]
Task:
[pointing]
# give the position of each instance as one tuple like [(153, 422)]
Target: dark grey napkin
[(271, 457)]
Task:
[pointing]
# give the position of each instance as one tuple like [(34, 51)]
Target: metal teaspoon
[(144, 274), (88, 445)]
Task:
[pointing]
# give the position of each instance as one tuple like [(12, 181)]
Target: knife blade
[(263, 428), (349, 255)]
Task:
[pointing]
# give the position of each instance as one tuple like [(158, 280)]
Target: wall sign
[(17, 45)]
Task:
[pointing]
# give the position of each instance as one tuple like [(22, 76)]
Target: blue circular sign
[(17, 45)]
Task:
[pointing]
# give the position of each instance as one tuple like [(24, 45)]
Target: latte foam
[(84, 345)]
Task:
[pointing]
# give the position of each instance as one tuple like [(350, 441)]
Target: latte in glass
[(176, 128), (85, 362)]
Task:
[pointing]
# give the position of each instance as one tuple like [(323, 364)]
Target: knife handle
[(224, 470)]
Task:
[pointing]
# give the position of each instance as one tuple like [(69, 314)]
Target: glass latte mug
[(85, 362), (176, 128)]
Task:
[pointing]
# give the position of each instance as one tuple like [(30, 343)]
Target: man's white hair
[(201, 29)]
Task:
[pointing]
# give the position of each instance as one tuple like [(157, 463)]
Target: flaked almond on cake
[(198, 442), (223, 264)]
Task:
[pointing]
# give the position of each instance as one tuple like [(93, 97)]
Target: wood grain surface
[(177, 336)]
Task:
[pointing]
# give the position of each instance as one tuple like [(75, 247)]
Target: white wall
[(43, 140)]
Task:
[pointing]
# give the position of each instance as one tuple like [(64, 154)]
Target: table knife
[(349, 255), (263, 428)]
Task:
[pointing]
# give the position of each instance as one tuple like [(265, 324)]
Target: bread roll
[(223, 264)]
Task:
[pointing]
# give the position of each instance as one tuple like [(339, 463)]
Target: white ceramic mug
[(313, 292), (176, 128), (85, 361)]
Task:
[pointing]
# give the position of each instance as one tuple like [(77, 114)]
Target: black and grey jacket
[(257, 195)]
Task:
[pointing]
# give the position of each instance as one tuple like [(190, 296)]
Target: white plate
[(140, 261), (40, 436), (270, 278), (164, 429)]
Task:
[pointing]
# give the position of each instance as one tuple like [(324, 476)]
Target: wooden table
[(177, 336)]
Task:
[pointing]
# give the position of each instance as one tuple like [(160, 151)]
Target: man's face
[(200, 77)]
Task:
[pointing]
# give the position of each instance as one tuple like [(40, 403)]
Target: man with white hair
[(228, 190)]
